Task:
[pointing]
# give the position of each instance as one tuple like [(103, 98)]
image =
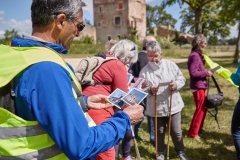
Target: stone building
[(131, 98), (164, 31), (115, 19)]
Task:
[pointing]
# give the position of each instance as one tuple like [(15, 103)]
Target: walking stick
[(135, 144), (156, 130), (169, 123)]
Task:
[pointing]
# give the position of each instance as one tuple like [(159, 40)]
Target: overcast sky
[(18, 16)]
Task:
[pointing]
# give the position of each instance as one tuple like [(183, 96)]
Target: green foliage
[(179, 40), (165, 42), (157, 16), (78, 49), (133, 35), (86, 40), (8, 35), (218, 143), (197, 7), (232, 41)]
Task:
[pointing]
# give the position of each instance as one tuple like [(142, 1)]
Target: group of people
[(50, 120)]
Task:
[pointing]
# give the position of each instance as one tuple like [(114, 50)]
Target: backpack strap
[(80, 97), (216, 84), (215, 115), (216, 108)]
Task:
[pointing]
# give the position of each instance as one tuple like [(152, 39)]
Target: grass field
[(216, 145)]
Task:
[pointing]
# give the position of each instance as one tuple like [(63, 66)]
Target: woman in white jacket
[(162, 76)]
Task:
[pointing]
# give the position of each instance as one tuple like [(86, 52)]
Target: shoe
[(127, 158), (197, 138), (182, 156), (140, 138), (160, 156), (202, 131)]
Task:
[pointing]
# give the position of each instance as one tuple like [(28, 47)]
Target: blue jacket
[(236, 76), (44, 93)]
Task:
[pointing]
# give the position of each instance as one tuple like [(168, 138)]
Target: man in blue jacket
[(43, 91)]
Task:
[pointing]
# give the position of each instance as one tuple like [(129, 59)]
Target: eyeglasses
[(80, 26)]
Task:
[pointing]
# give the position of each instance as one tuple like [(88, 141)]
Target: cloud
[(89, 7), (2, 13), (22, 27)]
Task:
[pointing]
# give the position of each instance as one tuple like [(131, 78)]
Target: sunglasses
[(80, 26)]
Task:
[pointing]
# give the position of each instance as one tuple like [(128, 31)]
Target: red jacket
[(114, 72)]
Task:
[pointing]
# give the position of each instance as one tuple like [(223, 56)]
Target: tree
[(8, 35), (197, 8), (230, 13), (157, 16), (212, 24)]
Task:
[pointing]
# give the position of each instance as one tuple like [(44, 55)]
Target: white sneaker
[(127, 158)]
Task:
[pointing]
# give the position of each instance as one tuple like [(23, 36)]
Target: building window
[(119, 37), (117, 21), (100, 9), (99, 25), (109, 38), (120, 5)]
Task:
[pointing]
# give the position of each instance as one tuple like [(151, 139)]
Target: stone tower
[(114, 19)]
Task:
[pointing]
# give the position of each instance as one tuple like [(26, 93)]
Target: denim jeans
[(236, 128), (149, 121)]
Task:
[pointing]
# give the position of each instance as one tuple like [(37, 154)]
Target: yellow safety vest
[(21, 139)]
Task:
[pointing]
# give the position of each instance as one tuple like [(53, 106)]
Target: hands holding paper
[(98, 101)]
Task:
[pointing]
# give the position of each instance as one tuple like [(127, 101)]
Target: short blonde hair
[(126, 51), (109, 44)]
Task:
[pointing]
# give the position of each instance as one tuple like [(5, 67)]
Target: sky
[(16, 14)]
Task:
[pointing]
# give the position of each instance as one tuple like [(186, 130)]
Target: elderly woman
[(114, 75), (164, 77), (198, 85)]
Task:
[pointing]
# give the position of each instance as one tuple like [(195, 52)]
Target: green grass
[(216, 145)]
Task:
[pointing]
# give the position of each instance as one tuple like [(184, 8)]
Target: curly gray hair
[(126, 51), (43, 12), (154, 46), (198, 39)]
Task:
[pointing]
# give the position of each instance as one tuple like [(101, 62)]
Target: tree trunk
[(236, 55), (198, 21)]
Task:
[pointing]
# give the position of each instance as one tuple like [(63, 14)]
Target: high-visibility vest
[(223, 72), (21, 139)]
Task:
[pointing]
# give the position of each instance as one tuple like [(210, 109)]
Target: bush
[(165, 42), (86, 40)]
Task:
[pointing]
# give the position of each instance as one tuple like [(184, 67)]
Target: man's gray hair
[(126, 51), (198, 39), (154, 46), (43, 12), (148, 39)]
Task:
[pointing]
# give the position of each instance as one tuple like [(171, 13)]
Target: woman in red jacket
[(114, 75)]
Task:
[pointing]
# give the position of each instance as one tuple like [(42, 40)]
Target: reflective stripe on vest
[(21, 139)]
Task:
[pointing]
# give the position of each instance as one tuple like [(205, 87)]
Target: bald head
[(148, 39)]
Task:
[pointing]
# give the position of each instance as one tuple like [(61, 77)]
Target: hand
[(172, 86), (135, 113), (154, 89), (210, 73), (144, 85), (98, 101)]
